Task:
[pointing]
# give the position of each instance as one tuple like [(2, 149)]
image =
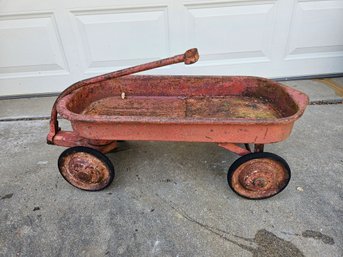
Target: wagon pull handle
[(189, 57)]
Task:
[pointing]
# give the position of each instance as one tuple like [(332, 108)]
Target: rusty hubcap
[(85, 171), (260, 178)]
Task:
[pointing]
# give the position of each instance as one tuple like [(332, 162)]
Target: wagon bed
[(184, 108)]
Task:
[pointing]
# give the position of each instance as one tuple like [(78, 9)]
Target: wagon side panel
[(235, 133)]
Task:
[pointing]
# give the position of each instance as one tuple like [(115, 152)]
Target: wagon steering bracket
[(258, 148)]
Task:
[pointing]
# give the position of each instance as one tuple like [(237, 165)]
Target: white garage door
[(47, 45)]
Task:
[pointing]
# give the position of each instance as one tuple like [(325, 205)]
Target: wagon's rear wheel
[(86, 168), (259, 175)]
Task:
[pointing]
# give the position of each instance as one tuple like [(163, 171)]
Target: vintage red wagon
[(226, 110)]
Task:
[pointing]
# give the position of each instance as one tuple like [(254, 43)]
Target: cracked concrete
[(170, 199)]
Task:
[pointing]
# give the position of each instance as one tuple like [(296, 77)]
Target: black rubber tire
[(100, 156), (252, 156)]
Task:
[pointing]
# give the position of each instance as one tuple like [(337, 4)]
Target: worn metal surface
[(155, 106), (220, 107), (259, 178), (84, 171), (70, 138), (258, 148), (235, 148)]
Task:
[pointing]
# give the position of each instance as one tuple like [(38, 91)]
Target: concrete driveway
[(171, 199)]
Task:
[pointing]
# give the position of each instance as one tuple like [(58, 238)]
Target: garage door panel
[(317, 30), (47, 45), (231, 33), (30, 45), (121, 37)]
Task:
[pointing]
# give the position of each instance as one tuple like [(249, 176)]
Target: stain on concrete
[(8, 196), (168, 181), (269, 245), (264, 244), (314, 235), (318, 236)]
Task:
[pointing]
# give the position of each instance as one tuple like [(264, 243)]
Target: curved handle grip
[(191, 56)]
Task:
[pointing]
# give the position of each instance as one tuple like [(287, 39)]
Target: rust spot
[(276, 95), (137, 106), (191, 56), (259, 178), (231, 107), (221, 107), (84, 171)]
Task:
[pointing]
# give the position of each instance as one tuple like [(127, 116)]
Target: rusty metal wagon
[(227, 110)]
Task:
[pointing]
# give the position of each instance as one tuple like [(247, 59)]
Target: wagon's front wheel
[(259, 175), (86, 168)]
